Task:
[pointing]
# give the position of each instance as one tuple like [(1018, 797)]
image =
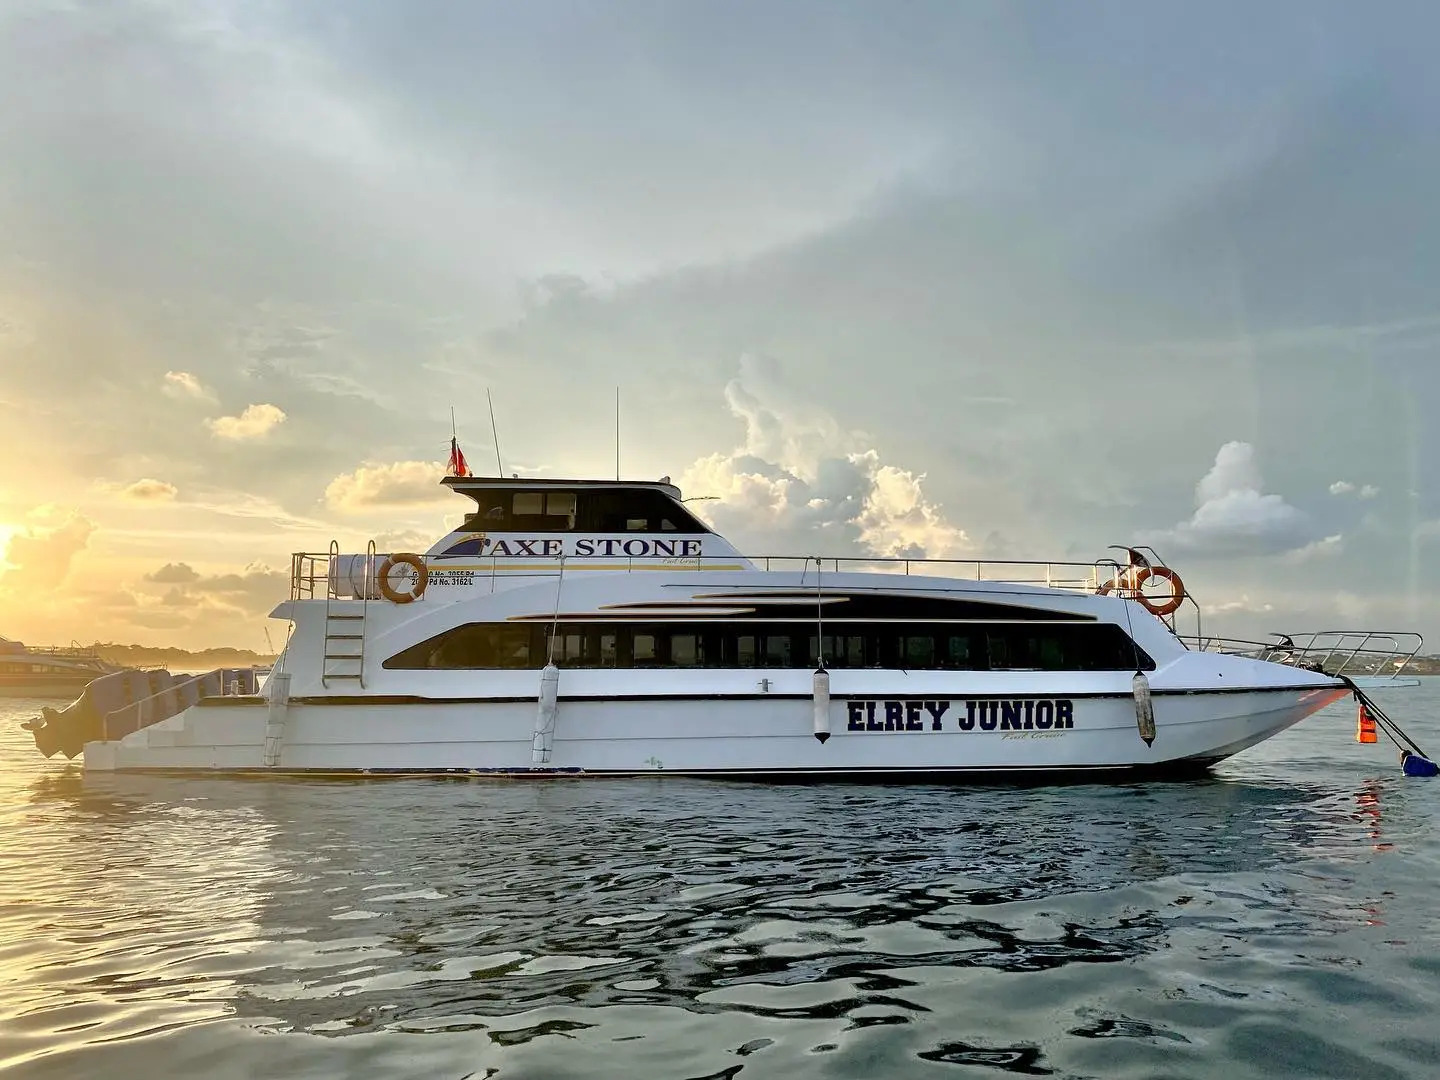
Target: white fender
[(1144, 708), (278, 691), (549, 709), (822, 705)]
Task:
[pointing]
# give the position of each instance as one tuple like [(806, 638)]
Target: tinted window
[(997, 647), (629, 510), (478, 645), (633, 511)]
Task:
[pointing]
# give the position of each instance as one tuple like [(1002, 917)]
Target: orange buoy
[(1365, 726)]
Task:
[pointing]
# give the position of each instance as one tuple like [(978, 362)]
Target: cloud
[(149, 491), (1233, 516), (174, 574), (1318, 549), (398, 483), (800, 482), (403, 540), (184, 385), (253, 591), (255, 422), (41, 555), (258, 509), (1344, 487), (1241, 605)]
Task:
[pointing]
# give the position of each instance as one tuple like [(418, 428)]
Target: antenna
[(499, 470), (617, 433), (452, 421)]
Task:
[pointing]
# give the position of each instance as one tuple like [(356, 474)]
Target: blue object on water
[(1415, 765)]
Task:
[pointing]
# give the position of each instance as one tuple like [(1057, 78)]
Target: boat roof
[(465, 484)]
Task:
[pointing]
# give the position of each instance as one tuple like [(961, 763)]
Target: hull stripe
[(414, 699)]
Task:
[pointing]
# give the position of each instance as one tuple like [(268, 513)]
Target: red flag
[(457, 464)]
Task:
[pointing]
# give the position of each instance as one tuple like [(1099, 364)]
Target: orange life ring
[(1177, 590), (422, 575), (1123, 580)]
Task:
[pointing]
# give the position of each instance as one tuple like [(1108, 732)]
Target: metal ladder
[(345, 629)]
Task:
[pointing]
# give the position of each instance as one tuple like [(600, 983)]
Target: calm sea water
[(1279, 919)]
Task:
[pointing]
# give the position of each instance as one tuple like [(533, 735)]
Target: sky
[(959, 280)]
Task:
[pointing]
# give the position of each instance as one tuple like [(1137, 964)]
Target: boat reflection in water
[(671, 922)]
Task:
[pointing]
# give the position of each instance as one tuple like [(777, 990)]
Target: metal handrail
[(1359, 651), (308, 569)]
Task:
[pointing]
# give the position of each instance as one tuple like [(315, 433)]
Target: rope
[(1382, 719)]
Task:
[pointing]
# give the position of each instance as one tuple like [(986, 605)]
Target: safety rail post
[(367, 579), (1363, 642)]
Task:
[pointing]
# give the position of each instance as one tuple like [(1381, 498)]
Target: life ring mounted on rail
[(1124, 580), (417, 590), (1129, 581)]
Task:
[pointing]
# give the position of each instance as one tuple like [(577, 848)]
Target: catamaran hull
[(765, 735)]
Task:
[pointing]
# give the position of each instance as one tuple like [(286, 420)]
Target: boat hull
[(62, 688), (756, 736)]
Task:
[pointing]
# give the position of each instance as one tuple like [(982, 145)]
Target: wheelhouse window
[(584, 510), (476, 645), (1023, 646)]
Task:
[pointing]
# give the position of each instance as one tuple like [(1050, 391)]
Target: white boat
[(599, 628)]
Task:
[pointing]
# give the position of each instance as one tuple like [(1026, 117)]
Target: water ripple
[(1278, 913)]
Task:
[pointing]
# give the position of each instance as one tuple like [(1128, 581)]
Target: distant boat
[(49, 671)]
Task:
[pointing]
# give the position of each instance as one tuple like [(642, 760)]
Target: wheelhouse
[(559, 506)]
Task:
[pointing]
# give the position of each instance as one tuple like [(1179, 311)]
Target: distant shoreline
[(147, 656)]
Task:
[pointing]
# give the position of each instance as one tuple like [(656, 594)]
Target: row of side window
[(920, 647)]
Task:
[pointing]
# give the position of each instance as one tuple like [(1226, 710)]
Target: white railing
[(331, 575), (320, 575), (1339, 652), (334, 576)]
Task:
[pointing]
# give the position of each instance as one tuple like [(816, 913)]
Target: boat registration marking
[(1007, 715), (452, 577)]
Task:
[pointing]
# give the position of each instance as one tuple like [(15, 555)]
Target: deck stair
[(344, 656)]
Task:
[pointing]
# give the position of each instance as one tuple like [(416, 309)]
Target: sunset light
[(719, 538)]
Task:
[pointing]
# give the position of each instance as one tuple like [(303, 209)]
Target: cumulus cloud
[(1233, 515), (174, 574), (184, 385), (39, 556), (148, 490), (1344, 487), (802, 484), (253, 591), (398, 483), (255, 422)]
